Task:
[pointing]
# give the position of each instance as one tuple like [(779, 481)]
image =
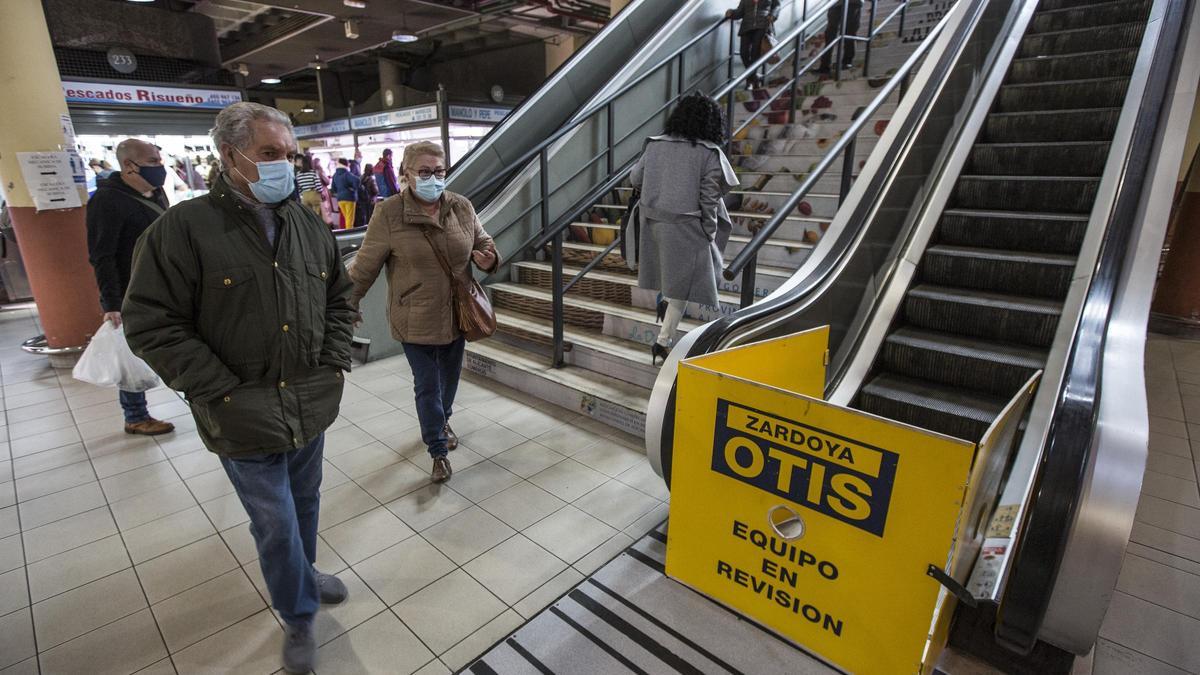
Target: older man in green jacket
[(239, 300)]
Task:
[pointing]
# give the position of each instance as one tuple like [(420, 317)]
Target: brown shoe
[(150, 427), (451, 439), (441, 470)]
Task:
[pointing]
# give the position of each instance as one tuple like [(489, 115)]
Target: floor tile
[(1172, 465), (467, 422), (14, 415), (515, 568), (12, 553), (14, 591), (550, 591), (642, 478), (467, 534), (164, 667), (225, 512), (362, 411), (74, 568), (1166, 586), (249, 647), (202, 611), (531, 422), (363, 536), (1169, 515), (40, 425), (6, 469), (184, 568), (483, 480), (527, 459), (124, 646), (241, 542), (492, 439), (616, 504), (59, 505), (367, 459), (389, 423), (105, 426), (117, 442), (16, 638), (463, 653), (609, 458), (569, 439), (395, 481), (568, 480), (1170, 543), (343, 503), (1172, 445), (86, 608), (331, 477), (1153, 630), (68, 533), (360, 605), (380, 645), (54, 480), (522, 505), (126, 460), (569, 533), (434, 667), (648, 522), (346, 439), (49, 459), (180, 443), (44, 441), (408, 444), (167, 534), (603, 553), (1170, 427), (10, 523), (450, 609), (401, 570), (26, 667), (1114, 659), (138, 481), (209, 486), (152, 505)]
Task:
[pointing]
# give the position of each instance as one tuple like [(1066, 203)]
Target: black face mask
[(156, 176)]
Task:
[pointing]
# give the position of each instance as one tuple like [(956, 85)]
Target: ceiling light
[(351, 27), (316, 65), (271, 80), (356, 4), (308, 109), (404, 36), (141, 0)]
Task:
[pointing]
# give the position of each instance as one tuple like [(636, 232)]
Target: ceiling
[(285, 38)]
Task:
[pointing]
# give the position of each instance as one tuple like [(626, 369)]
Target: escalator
[(982, 314)]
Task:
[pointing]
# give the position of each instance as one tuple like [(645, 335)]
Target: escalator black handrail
[(1060, 479), (516, 165)]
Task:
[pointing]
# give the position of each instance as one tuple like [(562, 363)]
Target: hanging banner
[(828, 518), (105, 93)]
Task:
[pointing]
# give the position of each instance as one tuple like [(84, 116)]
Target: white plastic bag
[(108, 362)]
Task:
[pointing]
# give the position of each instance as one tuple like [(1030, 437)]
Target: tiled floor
[(1153, 623), (121, 554)]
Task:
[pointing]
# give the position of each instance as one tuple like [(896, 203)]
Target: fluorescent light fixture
[(404, 36), (308, 109), (271, 80), (356, 4), (141, 0)]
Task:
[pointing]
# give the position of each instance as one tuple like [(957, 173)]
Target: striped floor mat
[(629, 617)]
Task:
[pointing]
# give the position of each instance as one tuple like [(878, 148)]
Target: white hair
[(233, 123)]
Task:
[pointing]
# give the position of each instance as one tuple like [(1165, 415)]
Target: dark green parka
[(256, 339)]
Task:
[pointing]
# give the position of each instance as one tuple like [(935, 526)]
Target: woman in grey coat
[(682, 176)]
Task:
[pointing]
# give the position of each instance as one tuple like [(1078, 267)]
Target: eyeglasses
[(424, 174)]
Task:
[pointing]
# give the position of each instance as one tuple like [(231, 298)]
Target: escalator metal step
[(942, 408), (1104, 92), (1102, 14), (1045, 275), (1057, 194), (1052, 5), (1080, 158), (1082, 66), (1013, 230), (992, 316), (949, 359), (1118, 36), (1088, 124)]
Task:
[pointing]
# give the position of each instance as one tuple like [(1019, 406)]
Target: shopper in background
[(345, 189), (412, 235), (368, 194), (833, 28), (385, 176), (758, 22), (309, 185), (240, 301), (125, 204), (682, 176)]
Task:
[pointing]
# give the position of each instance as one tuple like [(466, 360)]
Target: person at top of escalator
[(758, 23), (682, 176), (833, 28), (385, 176)]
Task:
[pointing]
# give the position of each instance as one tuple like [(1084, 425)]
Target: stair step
[(1059, 194), (1013, 230), (1079, 158), (732, 214), (1045, 275), (949, 359), (1118, 36), (994, 316), (1088, 124), (945, 409), (592, 311), (1052, 5), (598, 284), (1100, 14), (1081, 66), (1104, 92)]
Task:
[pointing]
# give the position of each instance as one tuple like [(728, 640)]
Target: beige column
[(53, 242)]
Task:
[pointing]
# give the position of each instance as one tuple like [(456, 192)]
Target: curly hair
[(697, 118)]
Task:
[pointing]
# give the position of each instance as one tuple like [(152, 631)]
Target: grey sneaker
[(299, 648), (331, 589)]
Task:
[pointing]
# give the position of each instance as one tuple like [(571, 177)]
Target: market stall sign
[(819, 521), (340, 126), (465, 113), (395, 118), (105, 93)]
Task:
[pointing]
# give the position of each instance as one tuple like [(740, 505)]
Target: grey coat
[(684, 222), (756, 15)]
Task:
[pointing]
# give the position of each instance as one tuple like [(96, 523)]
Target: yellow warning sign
[(816, 520)]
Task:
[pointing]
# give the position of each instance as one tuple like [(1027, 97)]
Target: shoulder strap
[(437, 254), (158, 210)]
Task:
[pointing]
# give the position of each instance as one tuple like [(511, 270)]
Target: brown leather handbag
[(473, 311)]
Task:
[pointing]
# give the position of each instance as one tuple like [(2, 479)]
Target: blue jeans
[(134, 405), (281, 493), (435, 370)]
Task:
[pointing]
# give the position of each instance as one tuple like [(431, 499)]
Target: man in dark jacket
[(239, 300), (833, 28), (345, 190), (758, 21), (385, 176), (123, 207)]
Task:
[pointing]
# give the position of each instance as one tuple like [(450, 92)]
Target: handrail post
[(732, 53), (840, 52), (795, 77), (749, 275), (544, 188), (903, 13), (610, 125), (729, 101), (556, 280), (870, 39), (847, 169)]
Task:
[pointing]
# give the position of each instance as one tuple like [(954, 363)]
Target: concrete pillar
[(53, 242), (1177, 296), (617, 5), (557, 54)]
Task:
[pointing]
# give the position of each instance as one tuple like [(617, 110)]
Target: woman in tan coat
[(401, 234)]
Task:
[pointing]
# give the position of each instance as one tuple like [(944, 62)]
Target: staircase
[(981, 316), (610, 322)]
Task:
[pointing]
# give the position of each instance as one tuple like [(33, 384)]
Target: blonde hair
[(421, 148)]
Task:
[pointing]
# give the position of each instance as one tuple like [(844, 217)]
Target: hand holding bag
[(472, 310)]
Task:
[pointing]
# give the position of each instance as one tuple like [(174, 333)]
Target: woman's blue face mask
[(276, 180)]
